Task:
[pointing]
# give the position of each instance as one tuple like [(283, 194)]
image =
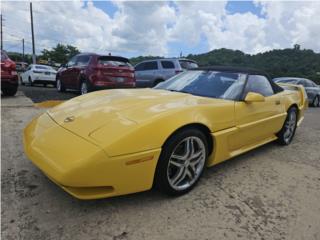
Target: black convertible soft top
[(249, 71), (233, 70)]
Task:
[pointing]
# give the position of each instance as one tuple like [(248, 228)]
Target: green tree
[(60, 53)]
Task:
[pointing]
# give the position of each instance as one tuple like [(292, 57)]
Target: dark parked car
[(312, 89), (87, 72), (9, 77)]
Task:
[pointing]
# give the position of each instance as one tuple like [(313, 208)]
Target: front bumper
[(80, 167)]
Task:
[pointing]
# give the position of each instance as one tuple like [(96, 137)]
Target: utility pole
[(33, 48), (22, 49), (1, 34)]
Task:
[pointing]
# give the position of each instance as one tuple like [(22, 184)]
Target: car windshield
[(114, 63), (213, 84)]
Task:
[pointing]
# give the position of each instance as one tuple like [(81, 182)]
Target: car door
[(66, 74), (138, 72), (146, 73), (257, 122), (167, 69), (81, 63)]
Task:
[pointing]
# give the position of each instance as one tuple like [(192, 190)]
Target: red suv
[(9, 77), (87, 72)]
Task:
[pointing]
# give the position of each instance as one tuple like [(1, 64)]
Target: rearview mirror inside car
[(254, 97)]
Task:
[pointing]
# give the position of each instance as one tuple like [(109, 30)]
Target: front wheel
[(288, 130), (181, 162), (60, 86)]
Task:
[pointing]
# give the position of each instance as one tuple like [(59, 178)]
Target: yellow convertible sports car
[(115, 142)]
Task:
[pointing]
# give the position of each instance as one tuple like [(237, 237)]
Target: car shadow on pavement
[(153, 196)]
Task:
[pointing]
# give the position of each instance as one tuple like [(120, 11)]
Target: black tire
[(21, 82), (316, 101), (156, 82), (60, 86), (161, 180), (30, 81), (44, 85), (9, 91), (283, 139), (85, 87)]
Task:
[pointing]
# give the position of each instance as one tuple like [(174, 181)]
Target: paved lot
[(270, 193), (39, 94)]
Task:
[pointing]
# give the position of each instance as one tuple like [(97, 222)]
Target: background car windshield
[(286, 80), (114, 63), (187, 64), (207, 84)]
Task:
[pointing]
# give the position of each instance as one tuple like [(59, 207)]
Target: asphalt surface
[(272, 192), (38, 93)]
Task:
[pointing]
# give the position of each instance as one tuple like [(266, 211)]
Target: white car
[(36, 73)]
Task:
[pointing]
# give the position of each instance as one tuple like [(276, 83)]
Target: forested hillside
[(287, 62)]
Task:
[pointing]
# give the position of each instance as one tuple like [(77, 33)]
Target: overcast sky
[(163, 28)]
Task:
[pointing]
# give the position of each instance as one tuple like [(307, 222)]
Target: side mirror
[(254, 97)]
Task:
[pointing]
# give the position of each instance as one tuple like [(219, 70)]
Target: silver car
[(312, 89), (150, 73)]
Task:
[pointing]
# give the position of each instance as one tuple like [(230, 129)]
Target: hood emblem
[(69, 119)]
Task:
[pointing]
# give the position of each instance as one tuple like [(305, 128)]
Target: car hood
[(120, 109)]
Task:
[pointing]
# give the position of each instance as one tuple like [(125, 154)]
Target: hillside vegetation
[(287, 62)]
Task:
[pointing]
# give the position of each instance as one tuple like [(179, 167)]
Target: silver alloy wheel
[(84, 88), (59, 85), (290, 126), (186, 163)]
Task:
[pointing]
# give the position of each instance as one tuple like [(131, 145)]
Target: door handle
[(278, 102)]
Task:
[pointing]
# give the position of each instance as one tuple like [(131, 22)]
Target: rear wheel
[(84, 87), (288, 130), (316, 102), (60, 86), (21, 82), (30, 81), (9, 91), (181, 162)]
